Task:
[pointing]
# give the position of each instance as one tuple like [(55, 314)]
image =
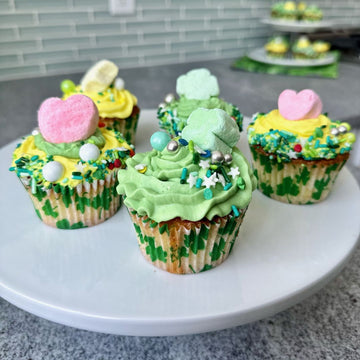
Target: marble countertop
[(326, 325)]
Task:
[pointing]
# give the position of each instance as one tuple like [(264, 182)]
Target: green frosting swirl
[(69, 150), (186, 106), (159, 194)]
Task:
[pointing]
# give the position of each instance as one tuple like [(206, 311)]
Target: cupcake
[(303, 49), (188, 196), (298, 151), (321, 48), (284, 10), (196, 89), (277, 46), (117, 106), (68, 165), (311, 13)]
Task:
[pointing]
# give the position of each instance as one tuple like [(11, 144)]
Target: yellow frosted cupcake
[(69, 166), (117, 106), (298, 151)]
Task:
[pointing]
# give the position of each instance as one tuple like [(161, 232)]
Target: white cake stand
[(96, 278)]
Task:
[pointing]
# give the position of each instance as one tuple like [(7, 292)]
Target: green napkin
[(329, 71)]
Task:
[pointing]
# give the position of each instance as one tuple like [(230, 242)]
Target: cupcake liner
[(73, 208), (126, 126), (298, 181), (185, 247)]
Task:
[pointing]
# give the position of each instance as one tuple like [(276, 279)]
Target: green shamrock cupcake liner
[(87, 204), (298, 181), (127, 127), (185, 247)]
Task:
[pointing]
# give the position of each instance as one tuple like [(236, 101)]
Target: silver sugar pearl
[(162, 105), (169, 98), (342, 129), (228, 158), (172, 145), (217, 157), (334, 131)]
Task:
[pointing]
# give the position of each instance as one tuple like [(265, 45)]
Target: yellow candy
[(290, 5), (347, 125), (349, 137)]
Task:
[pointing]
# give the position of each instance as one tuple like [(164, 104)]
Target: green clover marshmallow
[(212, 130), (197, 84)]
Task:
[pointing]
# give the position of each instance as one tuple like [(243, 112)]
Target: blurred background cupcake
[(284, 10), (303, 49), (311, 13), (321, 47), (277, 46), (117, 106), (196, 89)]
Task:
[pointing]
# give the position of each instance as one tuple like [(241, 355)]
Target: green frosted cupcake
[(196, 89), (188, 196)]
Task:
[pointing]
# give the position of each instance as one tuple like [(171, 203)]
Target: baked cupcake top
[(196, 89), (199, 175), (278, 44), (298, 129), (68, 148), (102, 85)]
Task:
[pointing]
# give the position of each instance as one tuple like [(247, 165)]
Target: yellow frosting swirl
[(111, 103), (301, 128), (28, 147)]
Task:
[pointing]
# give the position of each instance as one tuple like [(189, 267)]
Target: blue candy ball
[(159, 140)]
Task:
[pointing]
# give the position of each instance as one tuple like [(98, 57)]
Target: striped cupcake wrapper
[(184, 247)]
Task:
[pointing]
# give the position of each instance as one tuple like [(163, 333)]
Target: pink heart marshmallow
[(65, 121), (299, 106)]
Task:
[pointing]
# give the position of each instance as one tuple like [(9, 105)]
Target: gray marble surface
[(324, 326)]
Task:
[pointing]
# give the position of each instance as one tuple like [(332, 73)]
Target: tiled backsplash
[(39, 37)]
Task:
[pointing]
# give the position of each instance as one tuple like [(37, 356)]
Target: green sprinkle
[(224, 174), (191, 146), (317, 143), (318, 132), (213, 167), (76, 177), (35, 157), (76, 173), (208, 194), (240, 183), (100, 93), (87, 174), (65, 180), (12, 168), (208, 173), (227, 186), (235, 210), (198, 183)]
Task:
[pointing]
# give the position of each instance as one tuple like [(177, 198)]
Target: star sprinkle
[(292, 154), (234, 172), (209, 181), (80, 167), (204, 164), (191, 180)]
